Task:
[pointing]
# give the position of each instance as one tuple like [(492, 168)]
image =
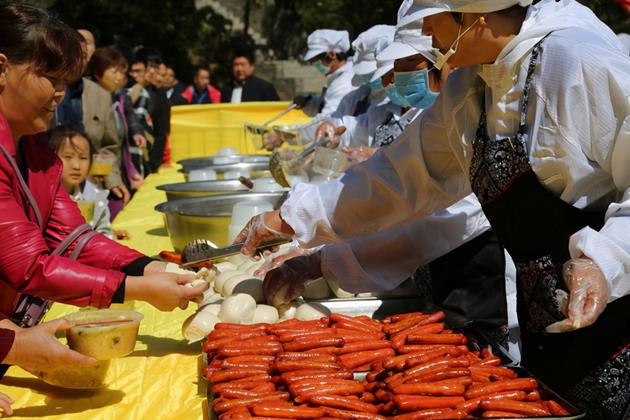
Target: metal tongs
[(201, 250), (278, 167), (262, 129)]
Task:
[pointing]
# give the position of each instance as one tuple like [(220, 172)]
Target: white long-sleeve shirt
[(579, 142), (360, 130), (338, 85)]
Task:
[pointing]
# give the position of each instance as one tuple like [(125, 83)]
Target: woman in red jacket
[(48, 253)]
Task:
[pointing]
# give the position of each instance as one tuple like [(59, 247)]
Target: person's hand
[(98, 180), (137, 181), (165, 291), (279, 260), (155, 267), (5, 404), (359, 154), (588, 295), (264, 227), (37, 349), (286, 282), (302, 100), (271, 141), (121, 192), (140, 141)]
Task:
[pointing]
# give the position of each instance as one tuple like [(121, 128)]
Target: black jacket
[(254, 89)]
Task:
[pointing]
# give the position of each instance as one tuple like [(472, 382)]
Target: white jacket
[(579, 133), (338, 85)]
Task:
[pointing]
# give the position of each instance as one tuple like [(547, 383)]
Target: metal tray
[(382, 308)]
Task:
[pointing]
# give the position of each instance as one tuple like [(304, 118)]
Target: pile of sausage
[(417, 369)]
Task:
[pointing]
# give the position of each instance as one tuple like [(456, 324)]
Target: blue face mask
[(395, 97), (321, 68), (376, 85), (414, 87)]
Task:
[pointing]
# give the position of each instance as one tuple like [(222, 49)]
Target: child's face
[(75, 155)]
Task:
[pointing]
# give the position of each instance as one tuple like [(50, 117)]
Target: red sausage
[(350, 415), (419, 402), (520, 384), (343, 403), (287, 410), (520, 407), (430, 389), (352, 360)]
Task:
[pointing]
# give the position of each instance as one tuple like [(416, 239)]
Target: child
[(75, 151)]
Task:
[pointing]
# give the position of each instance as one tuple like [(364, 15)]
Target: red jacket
[(213, 96), (27, 264)]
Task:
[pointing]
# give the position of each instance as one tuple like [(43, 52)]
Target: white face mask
[(441, 58)]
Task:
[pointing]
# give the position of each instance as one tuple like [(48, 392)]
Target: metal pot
[(207, 217), (204, 162), (201, 188), (255, 169)]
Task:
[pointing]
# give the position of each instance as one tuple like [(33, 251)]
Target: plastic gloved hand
[(326, 131), (264, 227), (271, 141), (359, 154), (588, 295), (286, 282), (302, 100), (277, 261)]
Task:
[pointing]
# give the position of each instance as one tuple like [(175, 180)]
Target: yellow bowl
[(77, 377), (104, 333)]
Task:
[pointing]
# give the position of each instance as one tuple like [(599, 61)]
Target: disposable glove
[(588, 295), (258, 230), (302, 100), (286, 282)]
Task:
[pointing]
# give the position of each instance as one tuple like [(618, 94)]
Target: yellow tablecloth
[(160, 379), (201, 130)]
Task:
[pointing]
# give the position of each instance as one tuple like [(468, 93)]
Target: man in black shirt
[(245, 87), (159, 106)]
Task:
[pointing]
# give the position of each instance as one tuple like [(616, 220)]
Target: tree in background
[(184, 35), (187, 36), (287, 23)]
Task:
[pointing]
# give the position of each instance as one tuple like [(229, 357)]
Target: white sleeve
[(360, 267), (593, 112), (412, 177)]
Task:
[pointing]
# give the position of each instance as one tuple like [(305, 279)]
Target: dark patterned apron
[(590, 366)]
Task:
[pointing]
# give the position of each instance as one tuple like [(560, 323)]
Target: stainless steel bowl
[(205, 162), (207, 217), (255, 169), (201, 188)]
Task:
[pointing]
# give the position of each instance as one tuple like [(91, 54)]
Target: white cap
[(382, 68), (368, 45), (424, 8), (324, 40), (408, 39)]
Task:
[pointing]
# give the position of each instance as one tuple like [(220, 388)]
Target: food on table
[(77, 377), (197, 326), (213, 308), (304, 369), (337, 290), (310, 311), (265, 314), (105, 333), (316, 289), (238, 309), (287, 311), (244, 283)]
